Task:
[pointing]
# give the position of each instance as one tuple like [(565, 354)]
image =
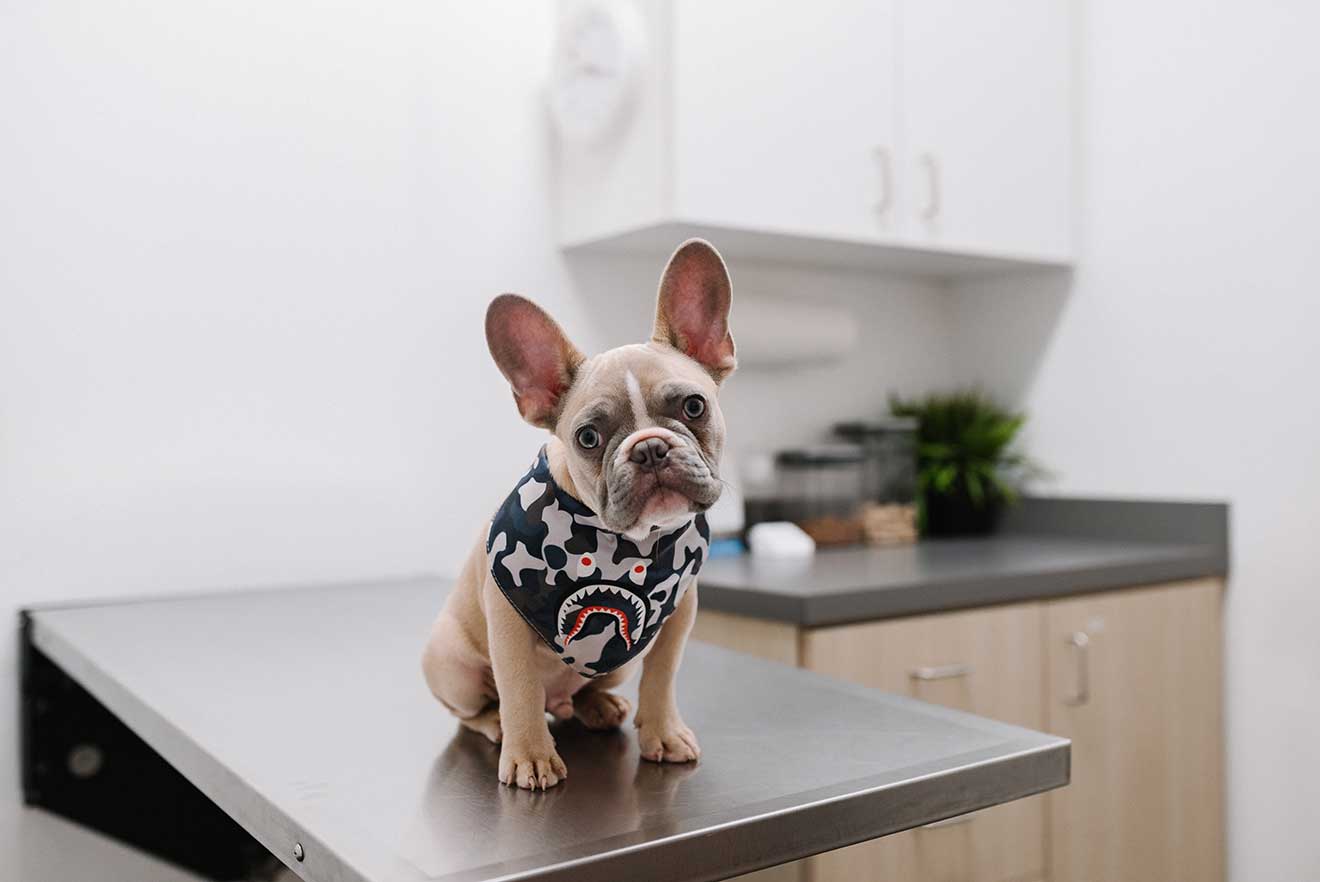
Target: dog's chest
[(596, 598)]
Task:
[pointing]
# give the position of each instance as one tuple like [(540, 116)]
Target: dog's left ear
[(692, 310)]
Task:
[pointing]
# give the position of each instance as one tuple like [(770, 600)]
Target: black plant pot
[(955, 514)]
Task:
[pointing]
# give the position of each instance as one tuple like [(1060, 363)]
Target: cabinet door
[(1135, 681), (784, 116), (773, 641), (986, 125), (987, 662)]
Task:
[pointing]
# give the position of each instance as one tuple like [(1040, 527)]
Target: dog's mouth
[(638, 500), (580, 611), (664, 503), (697, 489)]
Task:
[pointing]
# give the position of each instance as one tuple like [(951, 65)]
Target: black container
[(821, 490), (889, 509), (955, 514), (890, 446)]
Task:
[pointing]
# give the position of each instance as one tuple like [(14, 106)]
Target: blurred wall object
[(837, 137), (597, 64), (784, 333)]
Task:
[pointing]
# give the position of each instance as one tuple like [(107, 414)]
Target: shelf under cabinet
[(662, 237)]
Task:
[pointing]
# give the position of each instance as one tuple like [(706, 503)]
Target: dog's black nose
[(649, 453)]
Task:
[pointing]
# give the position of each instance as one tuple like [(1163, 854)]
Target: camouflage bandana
[(594, 596)]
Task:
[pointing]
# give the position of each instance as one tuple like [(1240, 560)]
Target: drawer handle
[(1080, 641), (941, 672), (949, 822)]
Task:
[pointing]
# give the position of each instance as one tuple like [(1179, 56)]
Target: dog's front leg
[(527, 754), (661, 733)]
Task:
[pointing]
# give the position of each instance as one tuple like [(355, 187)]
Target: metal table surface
[(302, 713)]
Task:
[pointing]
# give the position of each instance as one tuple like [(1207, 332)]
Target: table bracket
[(83, 763)]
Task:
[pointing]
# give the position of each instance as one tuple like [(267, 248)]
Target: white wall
[(1184, 362), (246, 251)]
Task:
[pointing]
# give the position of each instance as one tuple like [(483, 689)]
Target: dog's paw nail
[(671, 742), (538, 768)]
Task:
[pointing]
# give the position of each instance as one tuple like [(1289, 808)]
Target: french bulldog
[(587, 570)]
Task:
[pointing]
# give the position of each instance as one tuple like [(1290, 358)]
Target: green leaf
[(964, 439), (975, 491), (944, 477), (937, 451)]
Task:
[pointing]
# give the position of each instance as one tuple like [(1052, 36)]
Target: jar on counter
[(821, 490), (889, 507)]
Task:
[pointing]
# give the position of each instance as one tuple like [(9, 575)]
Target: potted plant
[(966, 471)]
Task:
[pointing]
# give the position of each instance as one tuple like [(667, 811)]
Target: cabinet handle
[(886, 199), (941, 672), (932, 166), (949, 822), (1080, 641)]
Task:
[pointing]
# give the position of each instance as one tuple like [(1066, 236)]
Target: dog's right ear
[(533, 354)]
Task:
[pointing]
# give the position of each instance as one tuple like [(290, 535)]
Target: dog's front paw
[(667, 739), (600, 710), (531, 765)]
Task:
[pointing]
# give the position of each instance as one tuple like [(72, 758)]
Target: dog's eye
[(694, 406), (587, 438)]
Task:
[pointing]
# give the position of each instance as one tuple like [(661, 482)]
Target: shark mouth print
[(626, 608)]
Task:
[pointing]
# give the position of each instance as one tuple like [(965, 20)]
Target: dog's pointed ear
[(692, 309), (533, 354)]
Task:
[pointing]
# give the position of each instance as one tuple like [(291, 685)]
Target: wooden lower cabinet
[(1140, 698), (1141, 702), (773, 641)]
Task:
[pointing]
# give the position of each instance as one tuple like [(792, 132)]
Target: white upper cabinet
[(766, 136), (986, 128), (920, 135)]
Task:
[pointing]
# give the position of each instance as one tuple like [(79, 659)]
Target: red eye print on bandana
[(586, 565), (637, 572)]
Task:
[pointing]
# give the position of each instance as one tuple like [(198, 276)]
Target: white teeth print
[(576, 601)]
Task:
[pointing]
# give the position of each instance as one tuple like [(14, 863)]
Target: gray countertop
[(1050, 548), (302, 713)]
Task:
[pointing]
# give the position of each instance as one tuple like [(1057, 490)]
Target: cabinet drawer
[(987, 662), (995, 845)]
